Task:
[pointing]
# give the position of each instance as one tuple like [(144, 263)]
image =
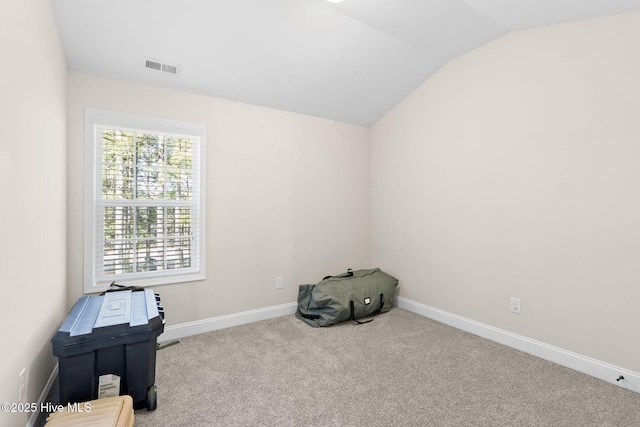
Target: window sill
[(146, 282)]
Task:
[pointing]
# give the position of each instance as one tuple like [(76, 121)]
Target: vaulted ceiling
[(351, 61)]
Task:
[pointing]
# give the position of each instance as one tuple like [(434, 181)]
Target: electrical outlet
[(22, 385), (515, 305), (279, 282)]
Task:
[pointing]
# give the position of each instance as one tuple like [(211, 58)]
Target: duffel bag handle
[(349, 273), (353, 311)]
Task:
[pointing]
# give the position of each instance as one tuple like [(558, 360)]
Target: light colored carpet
[(401, 369)]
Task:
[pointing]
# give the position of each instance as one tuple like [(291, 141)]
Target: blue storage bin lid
[(112, 316)]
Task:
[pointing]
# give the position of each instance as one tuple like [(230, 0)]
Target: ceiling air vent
[(160, 66), (170, 68)]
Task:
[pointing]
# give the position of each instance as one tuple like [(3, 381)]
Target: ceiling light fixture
[(335, 1)]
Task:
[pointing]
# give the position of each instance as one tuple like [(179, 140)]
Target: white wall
[(514, 171), (287, 195), (33, 207)]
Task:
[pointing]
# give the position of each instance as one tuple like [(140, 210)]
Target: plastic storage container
[(107, 347)]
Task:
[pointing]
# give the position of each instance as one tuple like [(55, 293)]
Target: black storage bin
[(109, 342)]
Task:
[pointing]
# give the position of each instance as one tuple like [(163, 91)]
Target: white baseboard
[(174, 332), (580, 363), (34, 418)]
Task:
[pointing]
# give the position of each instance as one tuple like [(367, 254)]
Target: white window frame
[(95, 118)]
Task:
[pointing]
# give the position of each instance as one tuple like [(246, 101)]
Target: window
[(144, 200)]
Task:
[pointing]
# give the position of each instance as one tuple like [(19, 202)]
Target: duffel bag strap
[(349, 273), (353, 311)]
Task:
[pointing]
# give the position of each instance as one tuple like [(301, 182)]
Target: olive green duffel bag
[(353, 295)]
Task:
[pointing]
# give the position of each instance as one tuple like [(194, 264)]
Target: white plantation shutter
[(144, 210)]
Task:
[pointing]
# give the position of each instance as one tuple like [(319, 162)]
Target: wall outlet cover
[(515, 305), (22, 385)]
